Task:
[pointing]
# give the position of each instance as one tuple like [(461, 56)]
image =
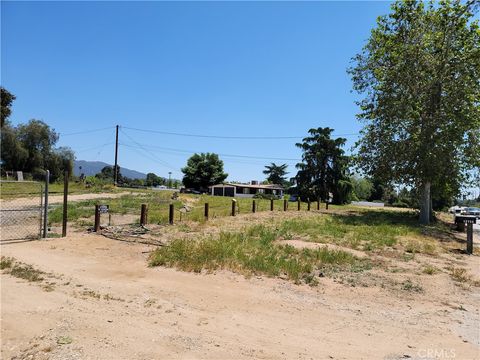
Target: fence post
[(65, 203), (318, 204), (234, 203), (254, 208), (97, 218), (144, 215), (470, 238), (45, 211), (285, 204), (308, 204), (326, 205), (298, 205), (206, 211), (271, 204), (170, 214)]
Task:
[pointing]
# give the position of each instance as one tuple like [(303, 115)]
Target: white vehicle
[(456, 209)]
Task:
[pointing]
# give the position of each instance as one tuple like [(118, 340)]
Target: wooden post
[(318, 204), (143, 215), (271, 204), (206, 211), (97, 218), (254, 208), (470, 238), (326, 205), (170, 214), (285, 204), (298, 205), (234, 204), (115, 167), (65, 204), (308, 204)]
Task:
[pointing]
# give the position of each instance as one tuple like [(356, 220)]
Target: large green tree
[(276, 174), (362, 187), (202, 171), (31, 148), (324, 167), (419, 76), (6, 104), (154, 180)]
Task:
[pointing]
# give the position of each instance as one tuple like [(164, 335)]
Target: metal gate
[(21, 206)]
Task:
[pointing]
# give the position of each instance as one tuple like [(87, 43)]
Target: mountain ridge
[(90, 168)]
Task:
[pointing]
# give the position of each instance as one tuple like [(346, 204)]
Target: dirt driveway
[(101, 301)]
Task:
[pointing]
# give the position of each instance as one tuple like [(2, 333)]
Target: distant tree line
[(151, 180)]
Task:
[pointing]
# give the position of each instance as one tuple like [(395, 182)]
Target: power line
[(164, 163), (150, 158), (88, 131), (220, 154), (226, 137), (224, 159), (94, 147)]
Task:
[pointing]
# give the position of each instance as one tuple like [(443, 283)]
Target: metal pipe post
[(470, 238), (65, 203), (45, 209)]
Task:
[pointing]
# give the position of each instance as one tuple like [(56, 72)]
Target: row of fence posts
[(171, 212)]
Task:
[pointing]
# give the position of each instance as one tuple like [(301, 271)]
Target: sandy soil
[(101, 301)]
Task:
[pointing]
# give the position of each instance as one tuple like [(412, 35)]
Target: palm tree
[(276, 173)]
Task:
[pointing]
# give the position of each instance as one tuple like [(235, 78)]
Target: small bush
[(430, 270), (6, 262), (26, 272), (408, 285), (459, 274)]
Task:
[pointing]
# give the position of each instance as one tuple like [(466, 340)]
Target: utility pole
[(115, 168), (169, 179)]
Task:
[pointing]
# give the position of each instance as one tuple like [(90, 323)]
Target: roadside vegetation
[(253, 251), (20, 270)]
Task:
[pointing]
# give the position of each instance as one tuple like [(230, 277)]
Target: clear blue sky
[(214, 68)]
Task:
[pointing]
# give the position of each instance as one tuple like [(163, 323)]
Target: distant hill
[(94, 167)]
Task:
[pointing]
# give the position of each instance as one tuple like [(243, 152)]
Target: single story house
[(245, 190)]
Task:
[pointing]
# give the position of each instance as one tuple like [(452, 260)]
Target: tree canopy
[(276, 174), (202, 171), (6, 104), (155, 180), (419, 76), (324, 167), (31, 148), (362, 188)]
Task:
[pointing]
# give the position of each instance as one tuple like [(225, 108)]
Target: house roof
[(266, 186)]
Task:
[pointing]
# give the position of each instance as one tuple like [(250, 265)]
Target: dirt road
[(58, 199), (101, 301)]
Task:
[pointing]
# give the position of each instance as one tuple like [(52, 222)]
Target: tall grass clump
[(367, 230), (251, 252)]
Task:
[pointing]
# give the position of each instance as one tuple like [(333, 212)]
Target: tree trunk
[(425, 204), (432, 215)]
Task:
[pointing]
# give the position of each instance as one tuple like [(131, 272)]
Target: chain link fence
[(20, 210)]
